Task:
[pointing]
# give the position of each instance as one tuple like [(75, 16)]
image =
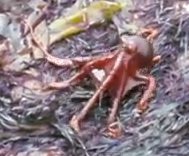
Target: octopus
[(121, 72)]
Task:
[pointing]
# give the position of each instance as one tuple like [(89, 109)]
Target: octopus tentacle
[(108, 80), (81, 74), (151, 85)]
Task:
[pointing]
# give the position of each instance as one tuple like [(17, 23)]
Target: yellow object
[(97, 12)]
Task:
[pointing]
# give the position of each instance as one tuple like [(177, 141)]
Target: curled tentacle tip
[(74, 123)]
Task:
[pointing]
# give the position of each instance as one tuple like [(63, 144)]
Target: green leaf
[(95, 13)]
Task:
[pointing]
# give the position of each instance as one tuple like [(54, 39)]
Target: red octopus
[(121, 73)]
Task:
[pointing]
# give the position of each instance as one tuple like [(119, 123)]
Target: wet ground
[(37, 124)]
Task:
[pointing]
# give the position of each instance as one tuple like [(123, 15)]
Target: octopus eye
[(130, 48)]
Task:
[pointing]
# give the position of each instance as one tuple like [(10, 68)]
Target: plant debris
[(34, 122)]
